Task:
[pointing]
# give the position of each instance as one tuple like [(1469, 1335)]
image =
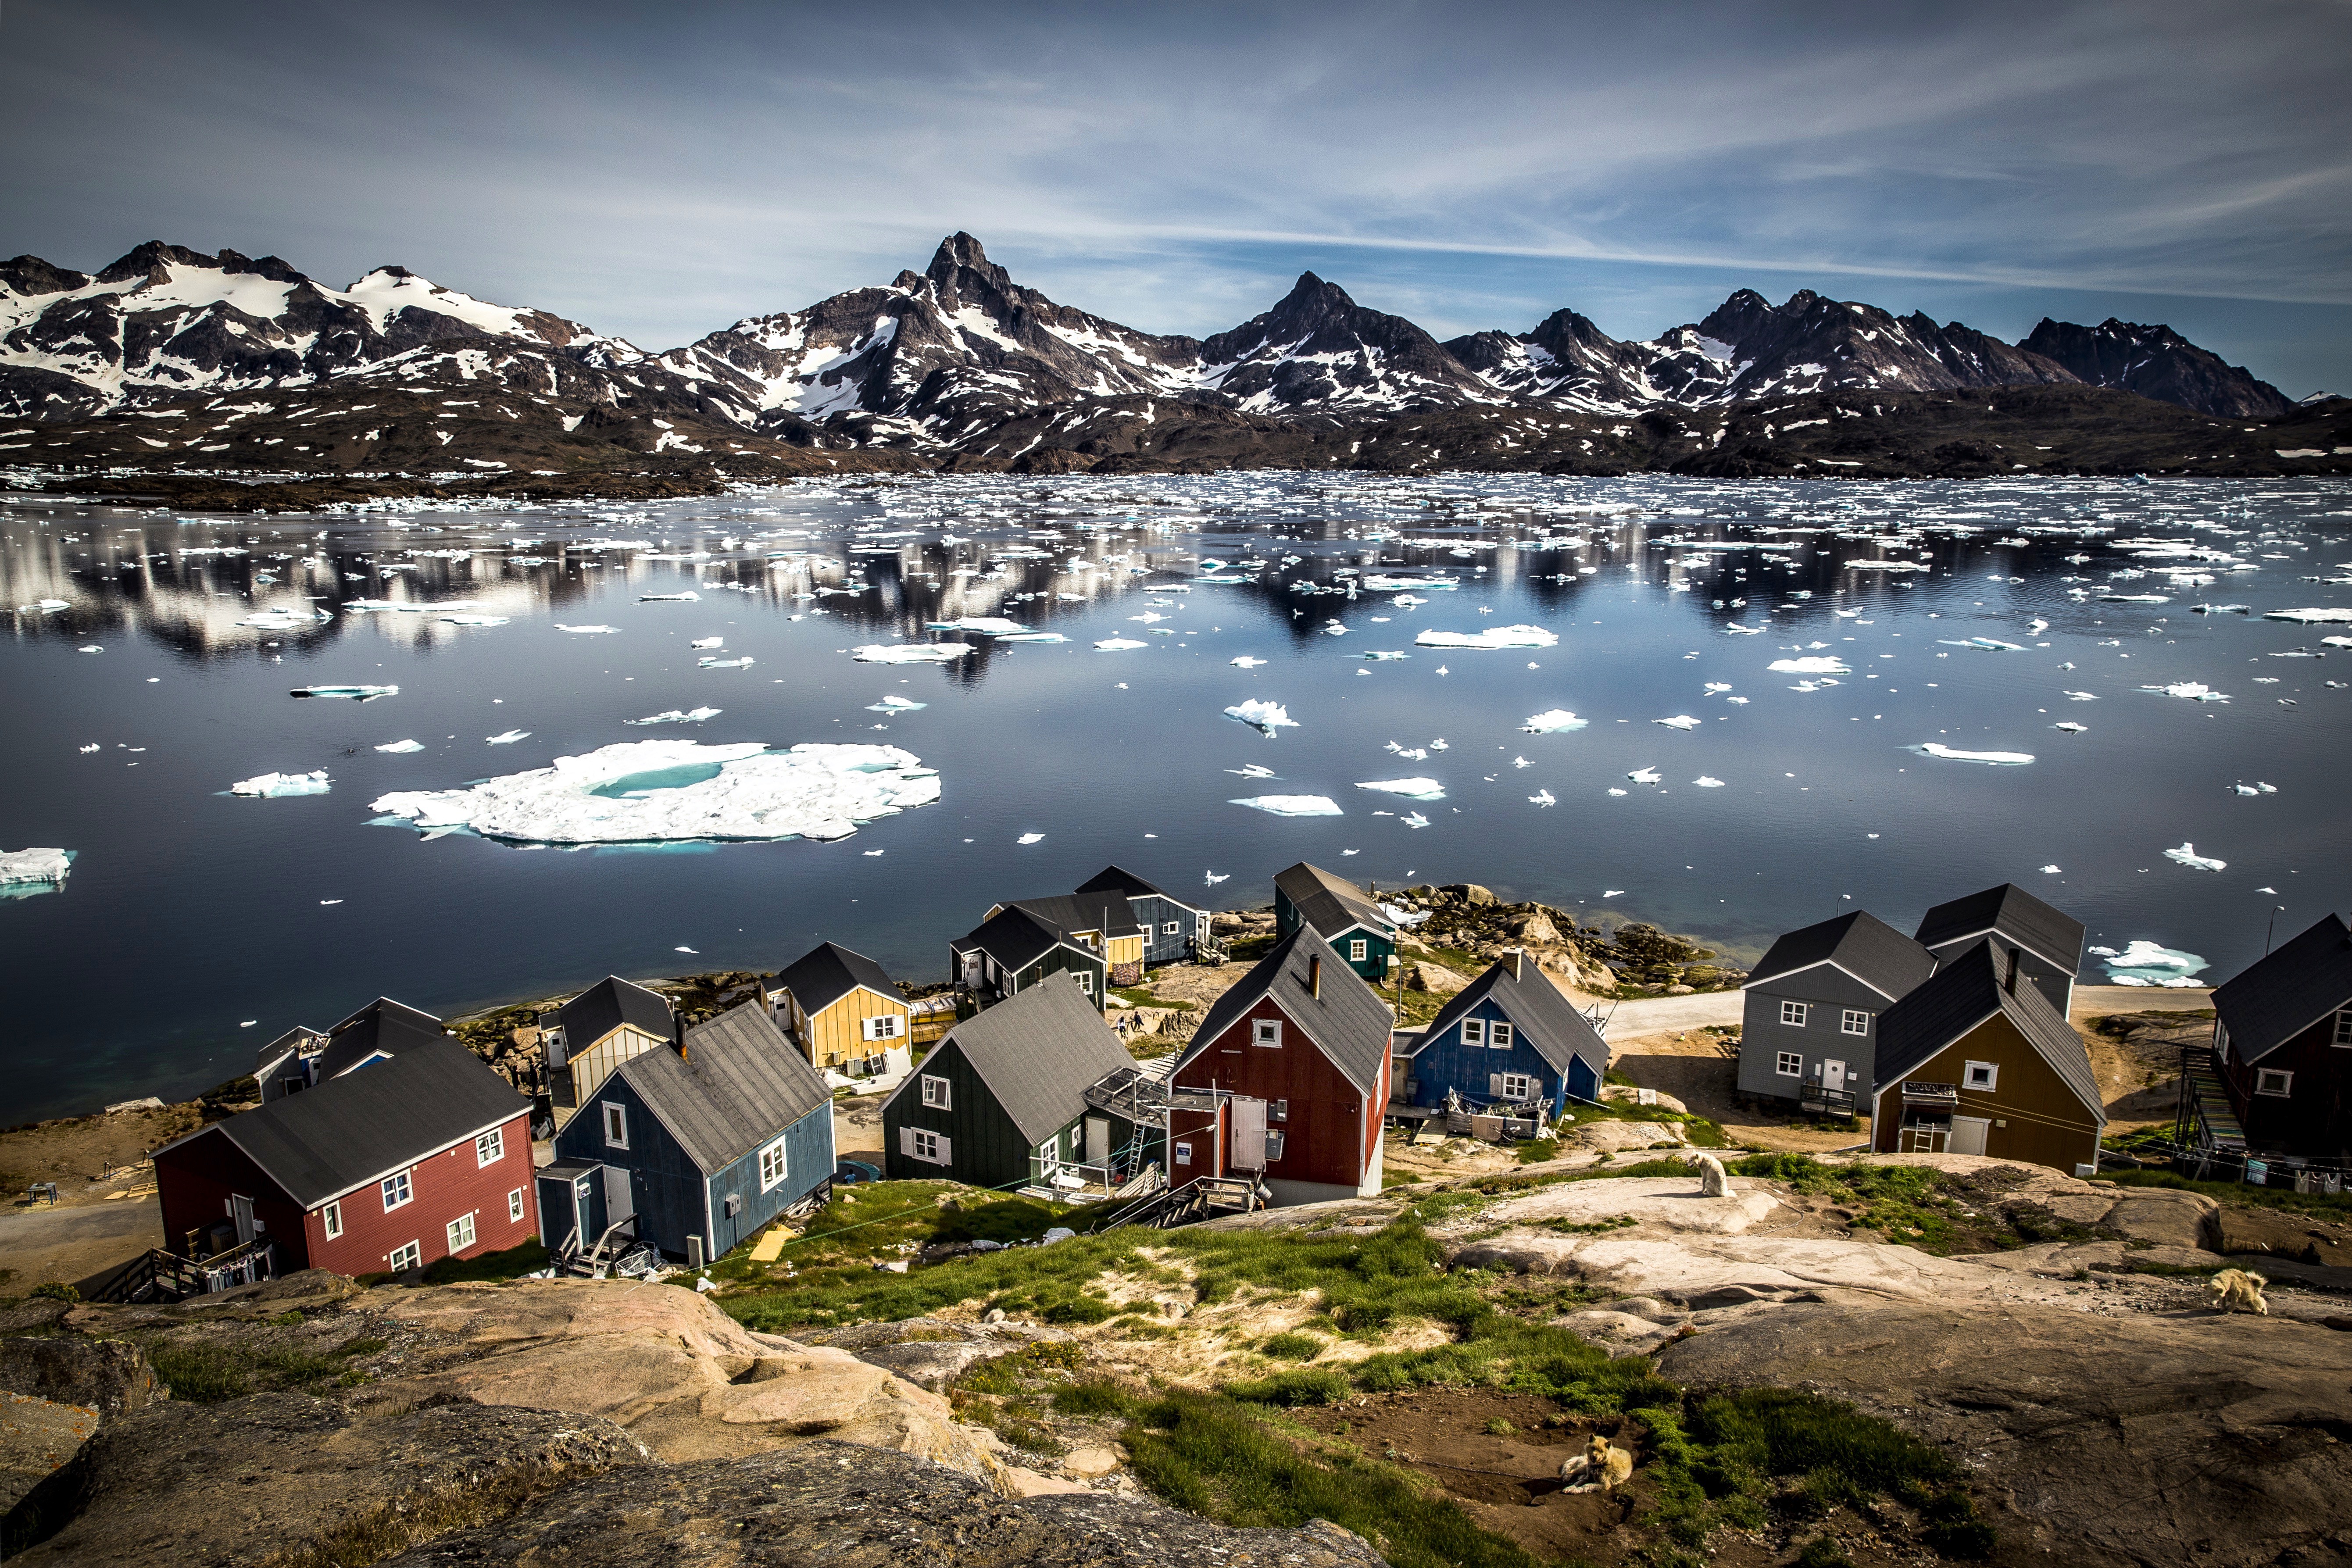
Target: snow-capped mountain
[(2158, 362), (1318, 351)]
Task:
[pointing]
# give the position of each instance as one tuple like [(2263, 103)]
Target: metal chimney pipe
[(1315, 975)]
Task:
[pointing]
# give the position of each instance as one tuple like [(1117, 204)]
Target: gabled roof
[(299, 1040), (360, 1128), (828, 972), (382, 1025), (1330, 904), (2271, 1002), (738, 1086), (2017, 915), (1126, 884), (1106, 912), (1037, 1052), (606, 1006), (1015, 939), (1963, 994), (1546, 1018), (1860, 944), (1348, 1022)]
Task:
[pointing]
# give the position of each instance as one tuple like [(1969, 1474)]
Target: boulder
[(1468, 892), (823, 1505), (931, 1353), (1615, 1137), (1626, 1093), (2103, 1441), (37, 1438), (109, 1376), (1670, 1202), (265, 1478), (1433, 978), (1536, 927)]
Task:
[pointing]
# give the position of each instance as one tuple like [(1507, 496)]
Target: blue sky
[(659, 171)]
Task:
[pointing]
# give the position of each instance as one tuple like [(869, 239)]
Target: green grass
[(2339, 1205), (206, 1372), (1290, 1347), (1701, 1132)]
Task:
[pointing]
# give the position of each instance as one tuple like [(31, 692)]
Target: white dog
[(1601, 1467), (2236, 1288), (1712, 1182)]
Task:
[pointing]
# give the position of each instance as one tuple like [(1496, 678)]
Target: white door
[(240, 1213), (1968, 1134), (1097, 1140), (1832, 1075)]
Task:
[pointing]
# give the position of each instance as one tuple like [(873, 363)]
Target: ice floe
[(1253, 771), (1413, 819), (985, 626), (2194, 690), (893, 703), (1412, 789), (910, 652), (1246, 662), (2071, 727), (2258, 787), (1292, 804), (1646, 775), (1386, 656), (94, 648), (585, 631), (1987, 645), (2187, 855), (688, 598), (2309, 618), (1264, 717), (1119, 645), (650, 791), (744, 663), (1491, 637), (278, 618), (402, 746), (1031, 838), (1827, 665), (507, 737), (1954, 754), (1679, 721), (356, 693), (1552, 721), (1543, 797), (699, 644), (19, 866), (283, 783), (2144, 962), (677, 716), (1704, 782)]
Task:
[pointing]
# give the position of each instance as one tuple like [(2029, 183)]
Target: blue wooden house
[(718, 1134), (1509, 1037)]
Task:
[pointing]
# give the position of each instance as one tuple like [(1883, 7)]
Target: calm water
[(190, 912)]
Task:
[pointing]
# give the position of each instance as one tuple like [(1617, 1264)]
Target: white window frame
[(923, 1136), (1788, 1064), (1855, 1022), (1359, 950), (1266, 1032), (1794, 1014), (2276, 1081), (514, 1206), (1184, 1153), (1499, 1035), (490, 1148), (773, 1154), (882, 1027), (2343, 1040), (398, 1190), (330, 1220), (460, 1232), (1991, 1076), (411, 1250), (1474, 1032), (938, 1093), (1085, 979), (1173, 928), (1526, 1082), (616, 1117)]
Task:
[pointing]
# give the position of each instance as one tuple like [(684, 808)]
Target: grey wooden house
[(1174, 931), (718, 1134), (1809, 1025), (2049, 942), (1000, 1102)]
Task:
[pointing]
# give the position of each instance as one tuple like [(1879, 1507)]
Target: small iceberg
[(45, 867), (744, 663), (1119, 645), (1213, 878), (1543, 797), (585, 631), (677, 716), (402, 746), (2305, 617), (1030, 838), (1679, 721), (507, 738), (1954, 754), (699, 644), (1704, 782), (93, 647), (1552, 721), (2257, 787), (2187, 855), (1253, 771), (1246, 662), (1491, 637), (1383, 657), (688, 598), (273, 785), (356, 693), (2071, 728), (1413, 819), (1292, 804), (1041, 637), (985, 626), (1646, 775), (2144, 962), (1830, 664), (1263, 717), (1988, 645), (468, 619), (1412, 789), (2193, 691), (279, 619), (893, 703), (2081, 696)]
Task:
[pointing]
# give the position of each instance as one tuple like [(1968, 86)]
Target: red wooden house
[(1298, 1056), (416, 1153)]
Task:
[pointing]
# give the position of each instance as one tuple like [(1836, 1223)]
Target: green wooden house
[(1340, 913)]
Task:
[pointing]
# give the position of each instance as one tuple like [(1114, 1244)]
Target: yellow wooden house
[(595, 1032), (844, 1012)]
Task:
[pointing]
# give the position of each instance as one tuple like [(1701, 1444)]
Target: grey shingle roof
[(358, 1128), (1013, 937), (1547, 1019), (1349, 1021), (1106, 912), (1038, 1052), (1330, 904), (2271, 1002), (1963, 994), (384, 1024), (828, 972), (2017, 915), (1126, 884), (1860, 944), (738, 1085), (609, 1003)]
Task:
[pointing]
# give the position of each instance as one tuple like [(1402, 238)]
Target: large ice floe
[(655, 792), (1265, 717), (2187, 855), (34, 868), (2194, 690), (677, 716), (910, 652), (1412, 789), (2309, 618), (1828, 665), (1954, 754), (273, 785), (2143, 962), (1491, 637), (1293, 805)]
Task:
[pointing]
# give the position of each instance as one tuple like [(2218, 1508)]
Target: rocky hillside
[(202, 371)]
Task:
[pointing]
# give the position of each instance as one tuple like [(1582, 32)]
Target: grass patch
[(1536, 1149), (2335, 1205), (1934, 1211), (1290, 1347), (511, 1264), (1701, 1132), (205, 1373)]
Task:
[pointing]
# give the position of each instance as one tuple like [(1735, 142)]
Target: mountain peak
[(960, 252)]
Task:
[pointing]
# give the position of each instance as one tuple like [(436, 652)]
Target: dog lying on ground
[(2236, 1288), (1599, 1469), (1712, 1182)]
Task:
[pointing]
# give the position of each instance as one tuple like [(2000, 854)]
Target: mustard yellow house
[(844, 1012)]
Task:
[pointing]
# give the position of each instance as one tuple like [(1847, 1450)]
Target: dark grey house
[(1174, 931), (304, 1058), (1341, 913), (1016, 948), (719, 1133), (1809, 1028), (2049, 943), (1000, 1102)]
